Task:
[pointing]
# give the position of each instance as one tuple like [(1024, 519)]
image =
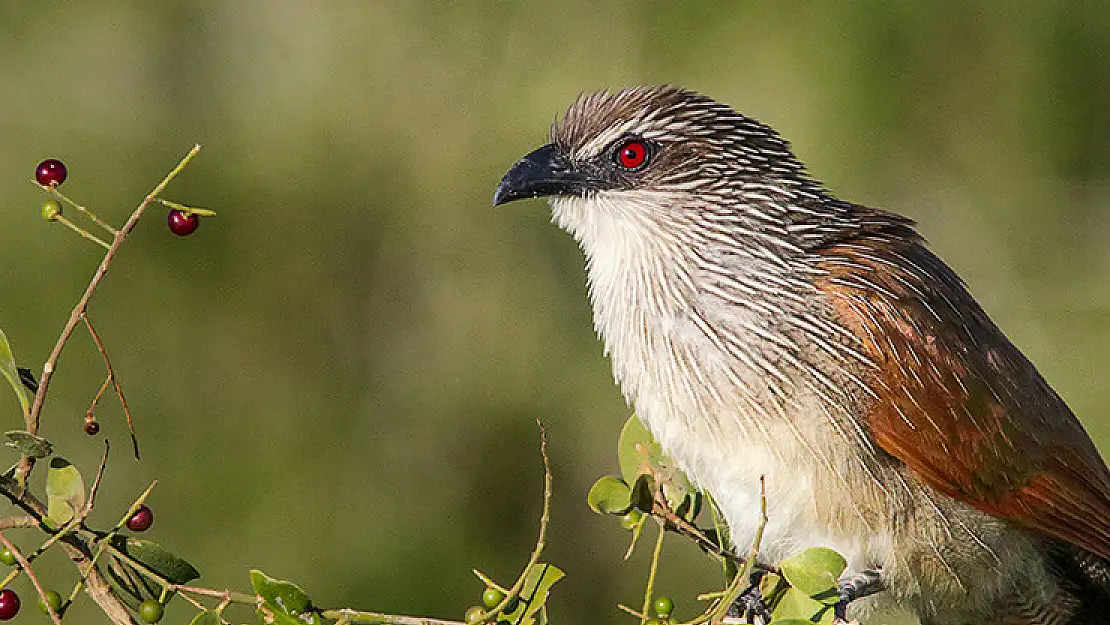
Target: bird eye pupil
[(632, 155)]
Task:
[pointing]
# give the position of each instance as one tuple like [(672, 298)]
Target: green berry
[(7, 557), (652, 621), (492, 597), (664, 606), (631, 519), (51, 209), (474, 614), (53, 599), (151, 611)]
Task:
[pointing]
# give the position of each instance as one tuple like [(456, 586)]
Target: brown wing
[(958, 403)]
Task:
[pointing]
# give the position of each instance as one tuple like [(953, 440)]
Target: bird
[(763, 328)]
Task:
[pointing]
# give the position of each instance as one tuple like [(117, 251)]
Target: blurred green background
[(336, 380)]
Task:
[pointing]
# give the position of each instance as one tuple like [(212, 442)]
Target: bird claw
[(749, 605), (855, 586)]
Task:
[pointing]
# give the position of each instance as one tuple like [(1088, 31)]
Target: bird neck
[(693, 305)]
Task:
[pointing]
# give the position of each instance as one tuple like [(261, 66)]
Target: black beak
[(543, 172)]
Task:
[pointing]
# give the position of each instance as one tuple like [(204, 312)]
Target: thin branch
[(227, 596), (115, 382), (541, 538), (134, 507), (649, 590), (716, 612), (96, 483), (377, 618), (26, 566), (17, 522), (81, 231), (662, 510), (83, 303), (81, 209), (89, 416), (346, 615), (97, 588)]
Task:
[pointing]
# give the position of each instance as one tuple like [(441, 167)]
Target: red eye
[(632, 155)]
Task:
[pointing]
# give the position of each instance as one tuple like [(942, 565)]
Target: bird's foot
[(749, 605), (855, 586)]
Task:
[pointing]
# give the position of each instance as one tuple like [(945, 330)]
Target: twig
[(115, 382), (26, 566), (96, 483), (488, 581), (96, 400), (135, 506), (97, 587), (81, 231), (229, 596), (377, 618), (77, 550), (717, 611), (649, 590), (661, 509), (18, 522), (83, 303), (541, 538), (81, 209)]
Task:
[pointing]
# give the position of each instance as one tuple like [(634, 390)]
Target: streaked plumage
[(761, 326)]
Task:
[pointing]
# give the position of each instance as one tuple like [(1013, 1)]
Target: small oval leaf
[(533, 594), (157, 558), (690, 506), (65, 491), (284, 599), (637, 450), (795, 604), (643, 493), (609, 495), (814, 571), (11, 372), (29, 444)]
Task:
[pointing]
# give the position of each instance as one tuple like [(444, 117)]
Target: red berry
[(181, 224), (50, 172), (92, 428), (141, 520), (9, 604)]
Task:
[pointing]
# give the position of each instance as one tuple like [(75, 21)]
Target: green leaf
[(609, 495), (28, 444), (770, 587), (795, 604), (815, 572), (8, 368), (638, 450), (639, 453), (533, 595), (208, 617), (690, 506), (285, 601), (120, 578), (643, 493), (65, 491), (157, 558)]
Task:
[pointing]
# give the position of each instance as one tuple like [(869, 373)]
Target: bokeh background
[(336, 379)]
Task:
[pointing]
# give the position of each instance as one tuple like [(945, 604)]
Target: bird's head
[(660, 148)]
